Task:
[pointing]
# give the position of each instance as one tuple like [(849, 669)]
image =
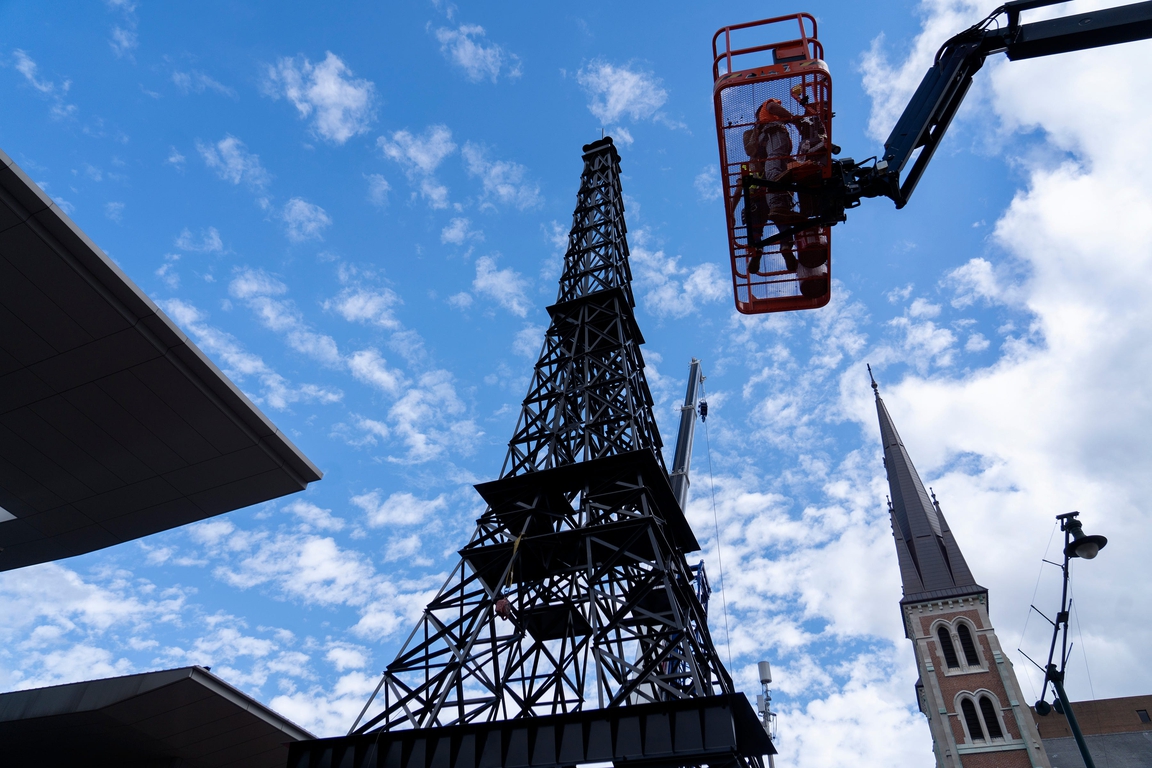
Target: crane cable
[(716, 522)]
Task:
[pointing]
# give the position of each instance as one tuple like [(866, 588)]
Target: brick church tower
[(967, 687)]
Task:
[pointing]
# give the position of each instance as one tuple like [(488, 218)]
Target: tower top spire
[(931, 564)]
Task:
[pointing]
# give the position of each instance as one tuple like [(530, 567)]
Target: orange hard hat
[(763, 114)]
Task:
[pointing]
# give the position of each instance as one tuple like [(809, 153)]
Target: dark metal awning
[(113, 425), (182, 716)]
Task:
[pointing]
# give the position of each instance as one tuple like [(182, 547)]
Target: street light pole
[(1076, 544), (1057, 678)]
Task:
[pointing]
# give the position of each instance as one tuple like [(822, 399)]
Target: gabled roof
[(185, 716), (931, 564), (113, 425)]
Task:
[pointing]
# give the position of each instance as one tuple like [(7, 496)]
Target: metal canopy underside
[(113, 425), (713, 730), (181, 717)]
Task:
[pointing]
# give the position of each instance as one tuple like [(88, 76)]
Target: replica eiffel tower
[(572, 630)]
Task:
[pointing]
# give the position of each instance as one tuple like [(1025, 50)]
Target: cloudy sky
[(361, 215)]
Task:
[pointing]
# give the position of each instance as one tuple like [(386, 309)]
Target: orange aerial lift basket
[(774, 125)]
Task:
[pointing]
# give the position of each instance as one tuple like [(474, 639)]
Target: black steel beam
[(572, 478), (712, 730)]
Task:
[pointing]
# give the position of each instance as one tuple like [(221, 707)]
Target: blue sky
[(360, 216)]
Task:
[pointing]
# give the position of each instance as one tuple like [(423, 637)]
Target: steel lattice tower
[(573, 603)]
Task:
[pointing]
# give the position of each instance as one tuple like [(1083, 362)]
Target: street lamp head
[(1087, 547), (1082, 545)]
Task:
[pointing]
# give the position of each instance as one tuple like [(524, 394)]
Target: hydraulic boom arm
[(920, 128), (932, 108)]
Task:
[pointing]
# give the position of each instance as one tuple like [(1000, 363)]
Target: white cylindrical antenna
[(765, 672)]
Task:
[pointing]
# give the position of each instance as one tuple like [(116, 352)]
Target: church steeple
[(967, 688), (931, 564)]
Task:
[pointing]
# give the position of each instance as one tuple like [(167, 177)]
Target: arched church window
[(988, 709), (975, 730), (947, 648), (967, 645)]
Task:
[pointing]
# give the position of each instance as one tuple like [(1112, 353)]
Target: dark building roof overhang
[(113, 425), (185, 716)]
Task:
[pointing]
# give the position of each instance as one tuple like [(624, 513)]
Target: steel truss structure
[(573, 600)]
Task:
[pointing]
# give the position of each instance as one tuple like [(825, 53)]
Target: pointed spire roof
[(931, 564)]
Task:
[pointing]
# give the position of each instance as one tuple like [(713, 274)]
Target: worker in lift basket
[(769, 147), (811, 244)]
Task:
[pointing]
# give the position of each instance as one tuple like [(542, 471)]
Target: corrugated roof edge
[(150, 319)]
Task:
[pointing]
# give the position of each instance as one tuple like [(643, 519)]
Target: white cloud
[(504, 286), (398, 508), (114, 211), (925, 343), (420, 156), (63, 204), (198, 82), (250, 283), (975, 281), (364, 306), (258, 289), (369, 367), (327, 713), (671, 290), (27, 67), (304, 220), (313, 516), (309, 568), (209, 242), (430, 419), (233, 162), (424, 152), (240, 364), (921, 307), (621, 91), (621, 135), (175, 158), (345, 657), (976, 343), (465, 47), (378, 188), (461, 300), (123, 40), (528, 340), (167, 273), (56, 93), (340, 105), (459, 230), (62, 627), (708, 185), (409, 549), (502, 180), (892, 86)]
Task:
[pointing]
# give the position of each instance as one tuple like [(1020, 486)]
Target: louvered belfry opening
[(570, 630)]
